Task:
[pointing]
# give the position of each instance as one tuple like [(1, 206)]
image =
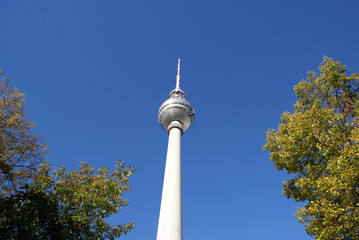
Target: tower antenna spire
[(178, 77)]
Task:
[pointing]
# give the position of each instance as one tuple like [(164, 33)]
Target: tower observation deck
[(176, 116)]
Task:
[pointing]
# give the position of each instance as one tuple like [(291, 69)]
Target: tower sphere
[(176, 108)]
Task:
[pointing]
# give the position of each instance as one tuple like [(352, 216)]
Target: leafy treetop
[(67, 205), (318, 145)]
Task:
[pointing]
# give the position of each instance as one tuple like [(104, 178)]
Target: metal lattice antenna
[(178, 75)]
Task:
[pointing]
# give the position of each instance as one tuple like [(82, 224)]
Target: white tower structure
[(176, 116)]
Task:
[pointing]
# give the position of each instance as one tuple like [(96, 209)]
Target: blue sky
[(95, 73)]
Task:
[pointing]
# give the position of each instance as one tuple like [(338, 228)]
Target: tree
[(21, 150), (318, 146), (39, 203), (67, 205)]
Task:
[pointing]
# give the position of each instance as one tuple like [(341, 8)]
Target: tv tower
[(176, 116)]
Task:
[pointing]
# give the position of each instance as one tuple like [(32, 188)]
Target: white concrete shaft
[(170, 220)]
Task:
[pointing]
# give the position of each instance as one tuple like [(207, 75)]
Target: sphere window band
[(187, 107)]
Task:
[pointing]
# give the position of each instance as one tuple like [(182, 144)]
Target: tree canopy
[(317, 145), (67, 205), (37, 202)]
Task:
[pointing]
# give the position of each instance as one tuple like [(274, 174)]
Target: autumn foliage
[(37, 202), (318, 145)]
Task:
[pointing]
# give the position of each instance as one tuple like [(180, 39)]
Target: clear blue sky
[(95, 73)]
